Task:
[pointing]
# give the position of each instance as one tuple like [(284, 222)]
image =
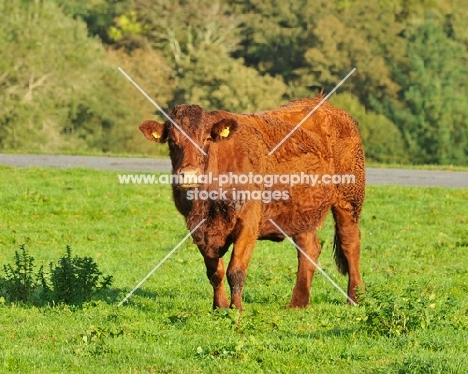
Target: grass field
[(414, 318)]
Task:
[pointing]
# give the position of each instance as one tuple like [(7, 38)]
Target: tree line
[(60, 90)]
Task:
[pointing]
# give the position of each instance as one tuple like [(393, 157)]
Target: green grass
[(414, 244)]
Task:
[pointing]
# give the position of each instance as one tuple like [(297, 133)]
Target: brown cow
[(327, 143)]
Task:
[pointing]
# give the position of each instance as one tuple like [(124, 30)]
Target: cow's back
[(339, 133)]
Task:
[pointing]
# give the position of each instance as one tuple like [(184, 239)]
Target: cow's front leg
[(237, 270), (215, 272)]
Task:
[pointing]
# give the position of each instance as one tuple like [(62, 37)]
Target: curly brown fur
[(328, 142)]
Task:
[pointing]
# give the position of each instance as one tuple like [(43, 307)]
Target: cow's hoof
[(221, 306), (298, 305)]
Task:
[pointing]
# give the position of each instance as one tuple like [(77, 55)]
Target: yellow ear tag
[(156, 135), (225, 132)]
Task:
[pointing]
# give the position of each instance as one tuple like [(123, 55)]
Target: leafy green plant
[(74, 279), (96, 340), (390, 314), (21, 282)]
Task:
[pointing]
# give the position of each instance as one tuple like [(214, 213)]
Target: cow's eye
[(208, 139)]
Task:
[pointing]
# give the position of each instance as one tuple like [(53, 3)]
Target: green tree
[(175, 27), (431, 111), (209, 77), (99, 15), (126, 26), (197, 38), (152, 72), (316, 43), (454, 14), (59, 92), (336, 50), (46, 62), (275, 35)]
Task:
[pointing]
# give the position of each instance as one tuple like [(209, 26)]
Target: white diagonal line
[(312, 111), (162, 111), (313, 262), (160, 263)]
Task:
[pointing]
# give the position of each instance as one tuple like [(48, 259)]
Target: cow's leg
[(215, 272), (309, 243), (347, 247), (237, 269)]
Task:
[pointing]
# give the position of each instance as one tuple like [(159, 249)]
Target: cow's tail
[(340, 259)]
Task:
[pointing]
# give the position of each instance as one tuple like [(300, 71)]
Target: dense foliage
[(60, 89), (72, 281)]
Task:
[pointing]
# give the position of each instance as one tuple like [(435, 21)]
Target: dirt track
[(401, 177)]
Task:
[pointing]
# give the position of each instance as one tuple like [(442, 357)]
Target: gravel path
[(401, 177)]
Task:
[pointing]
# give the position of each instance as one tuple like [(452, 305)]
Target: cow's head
[(195, 125)]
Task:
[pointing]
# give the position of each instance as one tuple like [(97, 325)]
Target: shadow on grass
[(38, 300), (146, 300), (324, 333)]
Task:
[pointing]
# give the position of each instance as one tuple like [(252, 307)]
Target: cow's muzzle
[(187, 177)]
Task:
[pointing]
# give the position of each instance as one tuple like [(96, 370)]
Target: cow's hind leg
[(347, 247), (309, 243), (215, 272)]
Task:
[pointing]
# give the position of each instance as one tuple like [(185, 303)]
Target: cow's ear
[(224, 129), (154, 131)]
